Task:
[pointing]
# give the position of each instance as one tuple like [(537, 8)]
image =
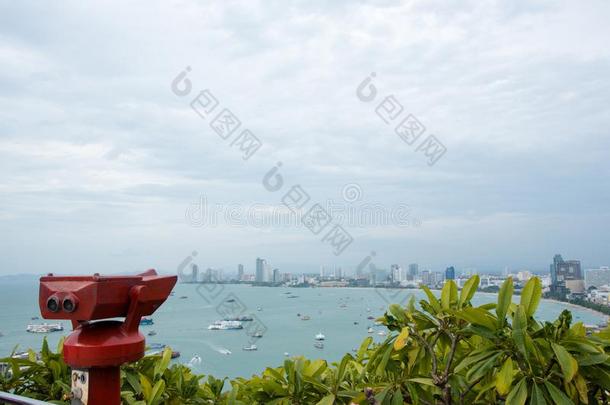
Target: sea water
[(338, 313)]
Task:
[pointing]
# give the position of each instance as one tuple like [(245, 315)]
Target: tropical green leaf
[(401, 339), (559, 398), (530, 296), (505, 295), (568, 364), (468, 290), (432, 300), (448, 294), (327, 400), (518, 395), (504, 378), (537, 396)]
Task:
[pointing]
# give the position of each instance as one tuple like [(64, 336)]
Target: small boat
[(259, 309), (225, 351), (305, 317), (257, 335), (370, 330), (152, 333), (175, 354), (370, 317), (225, 325), (231, 300), (299, 314), (355, 322), (381, 333), (320, 336), (146, 321), (195, 360), (318, 345), (183, 297), (293, 296), (34, 318), (286, 354), (250, 348), (243, 318), (44, 328)]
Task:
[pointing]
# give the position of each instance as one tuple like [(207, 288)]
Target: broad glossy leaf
[(504, 378), (520, 330), (327, 400), (401, 339), (448, 294), (559, 398), (432, 300), (477, 316), (530, 296), (581, 387), (505, 296), (568, 364), (157, 393), (470, 287), (518, 395), (425, 381), (475, 358), (537, 396)]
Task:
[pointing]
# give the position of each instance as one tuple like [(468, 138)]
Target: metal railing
[(6, 398)]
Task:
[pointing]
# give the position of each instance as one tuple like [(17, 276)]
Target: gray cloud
[(99, 160)]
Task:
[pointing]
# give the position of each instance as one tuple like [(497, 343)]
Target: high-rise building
[(597, 277), (261, 270), (413, 271), (557, 259), (563, 271), (396, 273), (276, 275), (240, 272), (194, 273), (425, 277), (450, 273), (338, 273)]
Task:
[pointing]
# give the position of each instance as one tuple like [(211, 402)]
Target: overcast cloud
[(99, 160)]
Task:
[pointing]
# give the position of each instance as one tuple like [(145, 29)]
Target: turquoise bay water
[(182, 323)]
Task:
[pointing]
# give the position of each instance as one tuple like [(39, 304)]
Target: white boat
[(195, 360), (286, 354), (305, 317), (370, 330), (224, 351), (320, 336), (381, 333), (259, 309), (225, 325), (250, 348), (44, 327), (257, 335)]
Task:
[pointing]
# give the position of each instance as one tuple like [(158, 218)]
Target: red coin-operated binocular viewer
[(96, 348)]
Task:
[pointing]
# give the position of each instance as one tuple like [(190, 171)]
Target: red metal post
[(96, 350)]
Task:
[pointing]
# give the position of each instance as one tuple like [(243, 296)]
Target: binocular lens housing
[(53, 304), (69, 304)]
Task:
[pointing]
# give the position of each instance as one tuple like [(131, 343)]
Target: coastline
[(570, 304)]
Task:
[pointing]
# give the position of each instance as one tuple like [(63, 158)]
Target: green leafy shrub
[(445, 351)]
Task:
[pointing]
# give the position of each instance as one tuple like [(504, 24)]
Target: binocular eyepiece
[(67, 304)]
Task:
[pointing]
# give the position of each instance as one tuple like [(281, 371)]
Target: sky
[(104, 163)]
